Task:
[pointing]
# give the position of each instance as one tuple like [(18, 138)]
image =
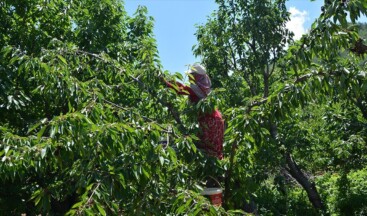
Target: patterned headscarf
[(202, 84)]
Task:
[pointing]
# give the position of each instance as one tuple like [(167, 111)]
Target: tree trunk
[(304, 181), (299, 176)]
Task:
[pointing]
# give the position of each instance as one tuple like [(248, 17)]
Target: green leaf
[(127, 127), (53, 131), (161, 160), (101, 210), (77, 205), (43, 152), (249, 138), (193, 146), (136, 174), (62, 59), (145, 173), (240, 212), (45, 67), (6, 50), (40, 133), (197, 211), (181, 209), (178, 75), (89, 212), (172, 154), (122, 180), (6, 149)]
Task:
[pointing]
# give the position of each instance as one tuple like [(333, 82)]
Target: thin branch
[(94, 191), (89, 200), (149, 90), (144, 117), (299, 79)]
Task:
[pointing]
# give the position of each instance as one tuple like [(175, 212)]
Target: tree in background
[(244, 44)]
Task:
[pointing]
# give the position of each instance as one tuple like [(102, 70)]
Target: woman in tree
[(211, 125)]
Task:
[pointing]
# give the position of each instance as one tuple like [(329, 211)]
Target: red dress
[(211, 125)]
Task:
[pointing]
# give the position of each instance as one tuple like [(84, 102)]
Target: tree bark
[(299, 176), (304, 181)]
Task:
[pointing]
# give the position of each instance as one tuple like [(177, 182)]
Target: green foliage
[(345, 192), (275, 198), (87, 127), (83, 113), (307, 101)]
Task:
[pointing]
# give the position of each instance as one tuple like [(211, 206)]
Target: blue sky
[(175, 22)]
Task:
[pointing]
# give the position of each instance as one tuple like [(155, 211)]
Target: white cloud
[(297, 22)]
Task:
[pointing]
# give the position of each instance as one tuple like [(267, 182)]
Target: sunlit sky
[(175, 22)]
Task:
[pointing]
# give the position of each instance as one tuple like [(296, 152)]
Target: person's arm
[(181, 88)]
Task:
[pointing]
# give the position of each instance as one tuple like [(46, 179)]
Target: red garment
[(212, 133), (211, 125)]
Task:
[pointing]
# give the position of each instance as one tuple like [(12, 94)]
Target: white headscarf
[(202, 85)]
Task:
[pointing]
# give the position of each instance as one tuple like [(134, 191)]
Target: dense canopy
[(87, 127)]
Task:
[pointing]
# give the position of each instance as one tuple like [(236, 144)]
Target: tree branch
[(304, 181), (143, 86)]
